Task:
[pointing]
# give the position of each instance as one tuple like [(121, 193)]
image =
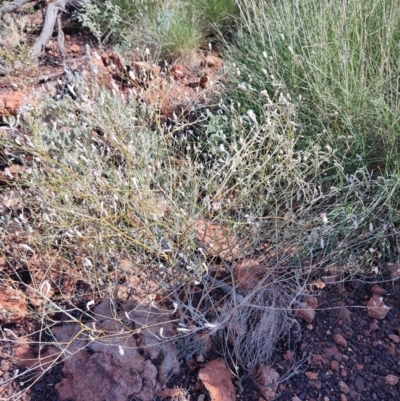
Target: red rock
[(313, 302), (394, 338), (247, 274), (391, 380), (75, 48), (211, 61), (11, 103), (343, 387), (343, 397), (311, 375), (345, 314), (377, 308), (288, 355), (305, 312), (315, 384), (340, 340), (115, 366), (216, 378), (267, 380), (177, 71), (317, 361), (12, 305), (378, 290)]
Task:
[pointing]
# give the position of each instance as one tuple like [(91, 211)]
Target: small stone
[(304, 312), (340, 340), (394, 338), (377, 308), (326, 399), (378, 290), (4, 365), (391, 380), (317, 361), (267, 379), (316, 384), (216, 378), (345, 314), (211, 61), (288, 355), (334, 365), (12, 305), (343, 387), (11, 103), (75, 48), (373, 326), (311, 375), (343, 397), (295, 398)]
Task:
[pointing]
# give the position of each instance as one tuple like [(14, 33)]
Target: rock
[(340, 340), (378, 290), (373, 326), (317, 361), (288, 355), (34, 358), (343, 397), (345, 314), (216, 378), (394, 338), (316, 384), (12, 305), (311, 375), (4, 365), (124, 365), (211, 61), (267, 381), (305, 312), (359, 384), (377, 308), (312, 302), (248, 273), (391, 380), (11, 103), (75, 48), (295, 398), (343, 387)]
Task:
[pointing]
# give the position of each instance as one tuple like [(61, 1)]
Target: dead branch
[(8, 7), (48, 27)]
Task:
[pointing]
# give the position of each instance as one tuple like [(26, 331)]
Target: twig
[(45, 78)]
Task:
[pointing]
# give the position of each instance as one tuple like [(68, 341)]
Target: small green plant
[(101, 19)]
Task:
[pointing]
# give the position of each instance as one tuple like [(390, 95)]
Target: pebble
[(343, 387)]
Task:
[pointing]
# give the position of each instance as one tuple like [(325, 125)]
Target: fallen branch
[(52, 12), (8, 7), (45, 78)]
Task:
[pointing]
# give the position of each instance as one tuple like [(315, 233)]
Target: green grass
[(341, 58), (172, 30)]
